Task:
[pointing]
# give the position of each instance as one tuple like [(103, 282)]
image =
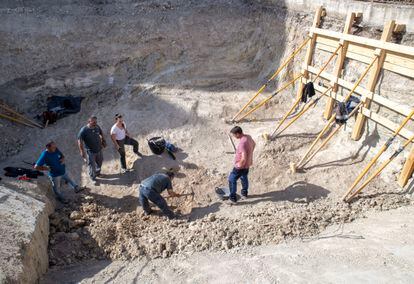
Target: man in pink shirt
[(242, 163)]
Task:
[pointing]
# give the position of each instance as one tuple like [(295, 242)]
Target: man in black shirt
[(91, 136)]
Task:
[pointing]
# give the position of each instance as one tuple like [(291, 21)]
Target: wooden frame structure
[(393, 57)]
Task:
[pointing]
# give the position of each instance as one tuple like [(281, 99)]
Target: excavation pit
[(181, 70)]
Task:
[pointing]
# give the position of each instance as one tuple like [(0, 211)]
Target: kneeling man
[(151, 188)]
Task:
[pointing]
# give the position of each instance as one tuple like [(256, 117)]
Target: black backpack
[(157, 145)]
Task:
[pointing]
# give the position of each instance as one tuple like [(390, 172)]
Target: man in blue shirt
[(53, 161), (151, 188)]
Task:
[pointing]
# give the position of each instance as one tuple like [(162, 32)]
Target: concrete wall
[(375, 14)]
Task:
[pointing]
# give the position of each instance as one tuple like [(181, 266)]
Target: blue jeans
[(233, 177), (94, 163), (56, 182), (146, 194)]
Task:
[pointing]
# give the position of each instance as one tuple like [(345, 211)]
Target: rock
[(75, 215), (227, 244), (211, 217), (161, 247), (73, 236), (79, 223)]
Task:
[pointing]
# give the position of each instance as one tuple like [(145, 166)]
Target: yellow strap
[(269, 98)]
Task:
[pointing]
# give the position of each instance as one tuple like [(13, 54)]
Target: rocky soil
[(89, 230)]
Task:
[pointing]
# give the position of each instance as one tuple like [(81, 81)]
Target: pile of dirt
[(89, 230)]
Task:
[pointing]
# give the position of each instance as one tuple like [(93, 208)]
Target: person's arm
[(242, 161), (81, 149), (172, 193), (40, 164), (41, 168), (113, 138), (103, 142), (170, 190)]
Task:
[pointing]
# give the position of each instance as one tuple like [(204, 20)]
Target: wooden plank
[(399, 63), (407, 170), (405, 133), (339, 64), (400, 108), (373, 80), (388, 46), (311, 47)]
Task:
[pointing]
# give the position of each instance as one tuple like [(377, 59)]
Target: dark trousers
[(146, 194), (94, 163), (126, 141), (233, 177)]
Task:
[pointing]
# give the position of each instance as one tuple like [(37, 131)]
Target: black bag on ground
[(157, 145), (17, 171)]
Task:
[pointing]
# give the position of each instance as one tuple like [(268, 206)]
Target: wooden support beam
[(320, 13), (373, 80), (400, 108), (400, 63), (339, 65), (407, 170), (388, 46)]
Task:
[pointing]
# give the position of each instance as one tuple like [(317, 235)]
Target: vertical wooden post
[(407, 170), (373, 79), (339, 64), (320, 13)]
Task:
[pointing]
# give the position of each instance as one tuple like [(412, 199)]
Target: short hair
[(236, 130), (118, 115), (49, 144), (93, 117), (170, 174)]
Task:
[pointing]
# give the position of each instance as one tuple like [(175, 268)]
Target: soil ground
[(376, 249)]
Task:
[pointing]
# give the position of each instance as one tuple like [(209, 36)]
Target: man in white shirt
[(121, 137)]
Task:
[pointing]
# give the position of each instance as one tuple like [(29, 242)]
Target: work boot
[(243, 195), (147, 213), (63, 200), (79, 189), (232, 201)]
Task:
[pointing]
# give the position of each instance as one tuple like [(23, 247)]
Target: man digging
[(91, 136), (151, 188), (242, 162)]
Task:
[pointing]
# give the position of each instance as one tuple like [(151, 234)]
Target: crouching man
[(151, 188), (53, 161)]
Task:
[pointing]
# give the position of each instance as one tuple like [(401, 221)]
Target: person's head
[(170, 174), (119, 118), (92, 121), (237, 132), (51, 146)]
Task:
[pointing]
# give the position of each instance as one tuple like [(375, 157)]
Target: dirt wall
[(24, 222)]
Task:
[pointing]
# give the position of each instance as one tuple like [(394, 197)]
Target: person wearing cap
[(121, 137), (151, 188), (53, 161), (91, 136)]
